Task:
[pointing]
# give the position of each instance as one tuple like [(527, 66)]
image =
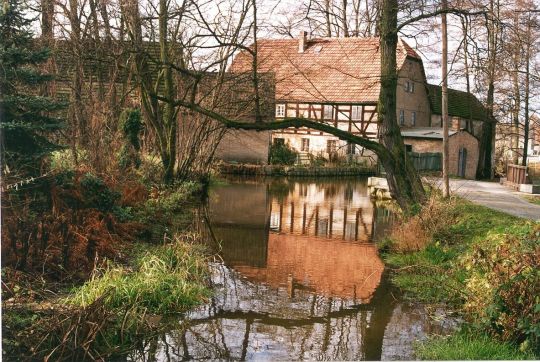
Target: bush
[(282, 154), (504, 287), (96, 194), (165, 212), (131, 125)]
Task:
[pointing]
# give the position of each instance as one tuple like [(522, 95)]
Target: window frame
[(281, 107), (351, 148), (279, 141), (401, 117), (325, 107), (358, 113), (331, 149), (304, 146)]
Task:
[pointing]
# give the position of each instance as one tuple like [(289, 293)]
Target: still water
[(300, 279)]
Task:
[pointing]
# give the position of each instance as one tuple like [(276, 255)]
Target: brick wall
[(421, 145), (458, 140), (244, 146), (470, 143), (416, 101)]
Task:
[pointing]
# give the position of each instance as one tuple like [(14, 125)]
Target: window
[(413, 118), (280, 110), (401, 117), (408, 148), (331, 146), (328, 112), (409, 86), (356, 113), (351, 148), (279, 141), (305, 145)]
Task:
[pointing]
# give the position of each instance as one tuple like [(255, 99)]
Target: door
[(462, 162)]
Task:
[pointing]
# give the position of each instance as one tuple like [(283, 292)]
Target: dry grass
[(413, 233)]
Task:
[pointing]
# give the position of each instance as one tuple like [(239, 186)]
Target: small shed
[(463, 147)]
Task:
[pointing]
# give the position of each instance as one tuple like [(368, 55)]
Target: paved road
[(494, 196)]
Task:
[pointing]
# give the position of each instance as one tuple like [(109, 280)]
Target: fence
[(534, 173), (426, 161), (516, 174)]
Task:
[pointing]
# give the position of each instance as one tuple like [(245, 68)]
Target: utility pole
[(445, 166)]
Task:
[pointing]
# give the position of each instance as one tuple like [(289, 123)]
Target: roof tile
[(329, 70)]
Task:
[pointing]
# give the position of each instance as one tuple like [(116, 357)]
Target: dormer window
[(280, 110)]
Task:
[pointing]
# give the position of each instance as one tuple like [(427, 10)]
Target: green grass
[(469, 345), (533, 199), (432, 274), (442, 272), (163, 279)]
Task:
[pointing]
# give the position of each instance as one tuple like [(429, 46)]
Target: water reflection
[(301, 279)]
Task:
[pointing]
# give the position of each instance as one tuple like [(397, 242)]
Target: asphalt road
[(495, 196)]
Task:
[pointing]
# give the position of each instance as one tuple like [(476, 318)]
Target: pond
[(300, 279)]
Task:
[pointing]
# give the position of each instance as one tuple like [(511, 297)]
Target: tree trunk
[(517, 94), (403, 179), (168, 149), (487, 141), (444, 107), (327, 11), (528, 59)]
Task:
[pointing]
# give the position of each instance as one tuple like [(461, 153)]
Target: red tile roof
[(329, 70)]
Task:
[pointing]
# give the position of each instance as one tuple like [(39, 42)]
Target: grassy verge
[(481, 262), (533, 199), (469, 345), (162, 279), (429, 274)]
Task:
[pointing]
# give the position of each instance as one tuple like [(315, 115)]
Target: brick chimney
[(302, 41)]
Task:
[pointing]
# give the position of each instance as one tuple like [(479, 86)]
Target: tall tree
[(27, 119), (487, 140), (446, 163)]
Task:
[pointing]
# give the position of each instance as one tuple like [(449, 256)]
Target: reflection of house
[(327, 267), (311, 235), (239, 216), (337, 81)]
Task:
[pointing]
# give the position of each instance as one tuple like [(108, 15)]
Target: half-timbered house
[(336, 81)]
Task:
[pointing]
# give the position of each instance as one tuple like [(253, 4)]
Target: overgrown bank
[(483, 263), (95, 270)]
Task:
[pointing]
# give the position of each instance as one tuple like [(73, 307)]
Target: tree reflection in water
[(291, 289)]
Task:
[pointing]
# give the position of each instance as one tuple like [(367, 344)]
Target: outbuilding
[(463, 147)]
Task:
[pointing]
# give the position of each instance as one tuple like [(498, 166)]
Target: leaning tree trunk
[(403, 179)]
